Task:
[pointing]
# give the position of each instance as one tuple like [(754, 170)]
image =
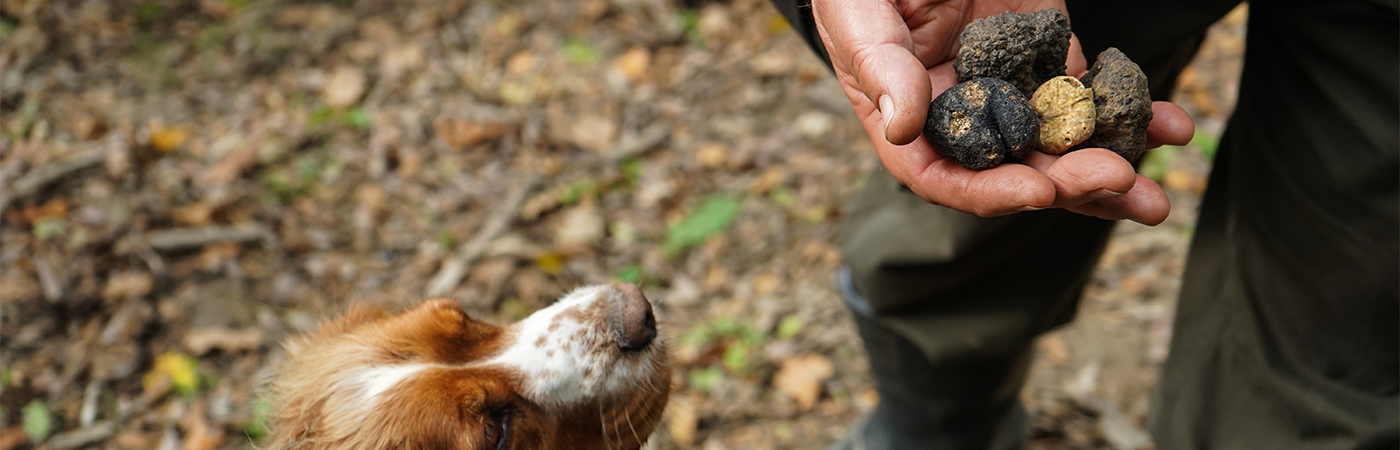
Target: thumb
[(899, 85), (870, 43)]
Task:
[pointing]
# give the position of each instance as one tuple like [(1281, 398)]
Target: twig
[(83, 437), (636, 144), (36, 179), (454, 268), (187, 238), (53, 289)]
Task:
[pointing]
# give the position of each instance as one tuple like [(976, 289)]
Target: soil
[(185, 184)]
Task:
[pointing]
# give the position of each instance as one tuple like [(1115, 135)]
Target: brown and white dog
[(588, 372)]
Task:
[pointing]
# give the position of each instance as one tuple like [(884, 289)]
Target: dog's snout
[(631, 317)]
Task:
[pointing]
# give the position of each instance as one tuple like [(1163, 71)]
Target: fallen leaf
[(399, 60), (814, 124), (203, 340), (12, 437), (233, 165), (770, 178), (196, 214), (801, 378), (772, 63), (168, 139), (15, 286), (634, 63), (52, 209), (594, 132), (460, 134), (179, 370), (344, 87), (579, 227), (712, 155), (198, 434), (127, 285), (550, 263)]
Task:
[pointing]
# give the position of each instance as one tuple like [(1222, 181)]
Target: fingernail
[(1031, 208), (886, 111), (1105, 193)]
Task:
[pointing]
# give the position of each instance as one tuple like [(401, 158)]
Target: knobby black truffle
[(1122, 104), (981, 123), (1025, 49)]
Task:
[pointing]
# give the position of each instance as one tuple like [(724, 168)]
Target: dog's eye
[(498, 427)]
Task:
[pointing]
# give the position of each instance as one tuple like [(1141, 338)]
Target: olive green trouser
[(1288, 330)]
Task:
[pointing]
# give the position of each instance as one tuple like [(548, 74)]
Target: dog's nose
[(630, 316)]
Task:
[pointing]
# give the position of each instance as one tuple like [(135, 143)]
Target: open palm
[(893, 56)]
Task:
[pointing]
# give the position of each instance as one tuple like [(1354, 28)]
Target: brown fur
[(445, 406)]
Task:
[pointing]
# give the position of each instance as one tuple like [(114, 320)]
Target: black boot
[(958, 403)]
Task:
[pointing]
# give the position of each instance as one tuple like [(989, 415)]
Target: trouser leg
[(1288, 331), (949, 304)]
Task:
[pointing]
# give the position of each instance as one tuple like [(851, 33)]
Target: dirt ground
[(183, 184)]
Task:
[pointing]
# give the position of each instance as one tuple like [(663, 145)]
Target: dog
[(588, 372)]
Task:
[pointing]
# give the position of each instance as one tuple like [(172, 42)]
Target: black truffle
[(1122, 103), (1025, 49), (981, 123)]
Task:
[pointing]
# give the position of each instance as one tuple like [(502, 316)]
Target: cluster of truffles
[(1013, 96)]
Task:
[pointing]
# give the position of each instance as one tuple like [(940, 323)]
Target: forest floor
[(184, 184)]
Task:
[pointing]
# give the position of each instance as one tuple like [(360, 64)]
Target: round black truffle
[(981, 123)]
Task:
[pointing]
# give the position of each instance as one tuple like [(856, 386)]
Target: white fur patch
[(576, 360), (375, 380)]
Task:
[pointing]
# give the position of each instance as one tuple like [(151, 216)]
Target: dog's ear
[(437, 330)]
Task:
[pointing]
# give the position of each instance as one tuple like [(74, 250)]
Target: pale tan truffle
[(1066, 111)]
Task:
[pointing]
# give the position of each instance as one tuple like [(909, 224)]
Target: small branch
[(84, 437), (36, 179), (455, 267), (187, 238), (636, 144)]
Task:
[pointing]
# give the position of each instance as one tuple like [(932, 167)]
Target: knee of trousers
[(953, 282)]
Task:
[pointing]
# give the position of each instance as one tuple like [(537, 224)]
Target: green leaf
[(147, 12), (1157, 162), (690, 23), (789, 327), (38, 421), (631, 273), (446, 240), (320, 115), (515, 309), (783, 196), (48, 227), (697, 337), (357, 118), (631, 170), (578, 190), (6, 29), (580, 52), (736, 357), (712, 217), (256, 428), (1206, 142), (704, 380)]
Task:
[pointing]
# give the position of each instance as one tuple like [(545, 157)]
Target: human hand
[(892, 56)]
